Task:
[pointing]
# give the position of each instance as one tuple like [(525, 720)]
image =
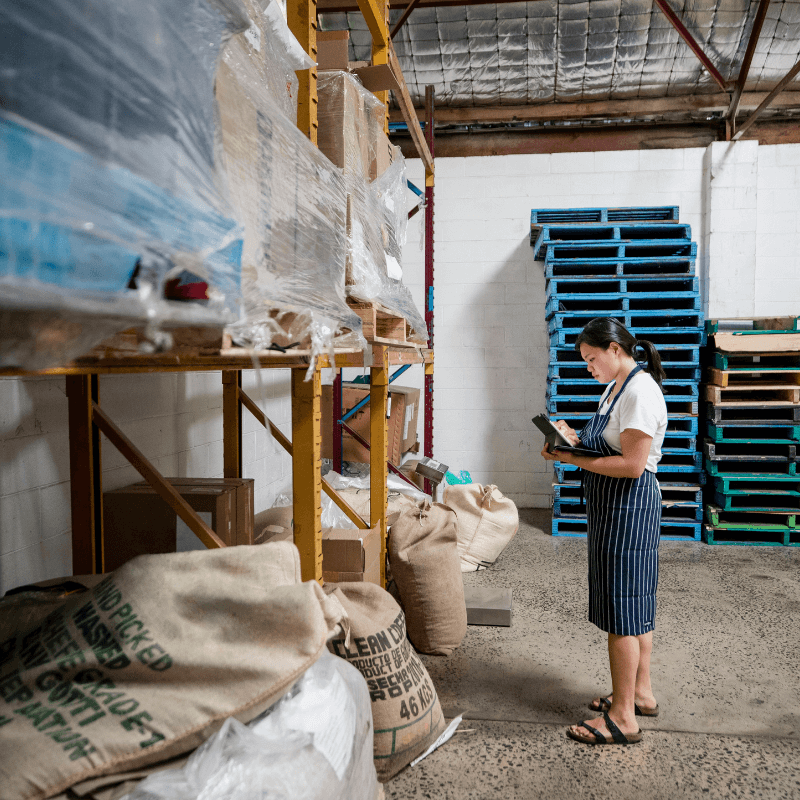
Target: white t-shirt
[(642, 407)]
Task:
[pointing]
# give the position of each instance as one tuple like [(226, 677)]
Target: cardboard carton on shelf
[(351, 555), (137, 521), (404, 402)]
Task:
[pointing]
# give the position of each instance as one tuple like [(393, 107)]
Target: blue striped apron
[(624, 523)]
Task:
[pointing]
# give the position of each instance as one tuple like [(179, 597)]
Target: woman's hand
[(568, 433), (559, 455)]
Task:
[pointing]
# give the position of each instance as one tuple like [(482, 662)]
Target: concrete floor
[(726, 672)]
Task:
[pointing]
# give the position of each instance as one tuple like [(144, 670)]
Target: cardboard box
[(351, 555), (332, 47), (244, 503), (137, 521), (402, 422)]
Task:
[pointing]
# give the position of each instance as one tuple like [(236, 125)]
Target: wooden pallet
[(381, 326), (749, 394), (756, 342), (761, 519), (786, 324), (746, 536), (779, 376), (750, 451), (776, 500)]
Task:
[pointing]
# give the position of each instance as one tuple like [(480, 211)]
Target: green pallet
[(767, 363), (792, 325), (785, 502), (753, 470), (745, 536), (757, 520), (740, 433)]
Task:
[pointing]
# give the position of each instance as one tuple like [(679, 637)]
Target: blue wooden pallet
[(678, 425), (649, 286), (561, 406), (572, 322), (667, 304), (787, 500), (745, 434), (666, 248), (669, 473), (745, 536), (629, 214), (594, 269), (669, 510), (672, 492), (569, 371), (607, 232), (582, 388), (574, 525), (671, 356), (676, 337)]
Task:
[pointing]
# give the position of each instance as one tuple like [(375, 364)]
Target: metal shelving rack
[(87, 419)]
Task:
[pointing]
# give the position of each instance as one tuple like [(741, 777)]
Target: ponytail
[(602, 331), (653, 368)]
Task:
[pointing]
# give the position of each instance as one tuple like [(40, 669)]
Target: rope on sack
[(487, 494), (422, 511)]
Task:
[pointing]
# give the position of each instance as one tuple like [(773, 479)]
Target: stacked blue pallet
[(637, 265)]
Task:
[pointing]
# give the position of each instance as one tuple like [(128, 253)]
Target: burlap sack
[(423, 554), (148, 663), (487, 522), (358, 499), (405, 708), (274, 525)]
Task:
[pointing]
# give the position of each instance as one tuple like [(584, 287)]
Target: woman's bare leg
[(643, 691)]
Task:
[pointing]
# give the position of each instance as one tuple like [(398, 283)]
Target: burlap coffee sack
[(148, 664), (274, 525), (358, 499), (487, 522), (423, 553), (406, 713)]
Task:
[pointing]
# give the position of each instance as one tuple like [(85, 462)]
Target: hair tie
[(637, 343)]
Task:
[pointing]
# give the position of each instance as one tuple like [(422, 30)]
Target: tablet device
[(557, 441)]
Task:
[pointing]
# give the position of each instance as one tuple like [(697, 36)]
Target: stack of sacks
[(107, 169), (351, 134), (289, 197), (487, 522), (423, 554), (149, 663)]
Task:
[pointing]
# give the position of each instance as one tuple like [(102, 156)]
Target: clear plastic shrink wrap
[(315, 743), (288, 195), (107, 158), (351, 135)]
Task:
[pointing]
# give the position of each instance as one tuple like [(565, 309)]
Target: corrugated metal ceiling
[(575, 50)]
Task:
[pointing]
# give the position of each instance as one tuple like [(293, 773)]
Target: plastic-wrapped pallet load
[(406, 713), (150, 662), (487, 522), (288, 195), (351, 135), (315, 743), (107, 168), (423, 554)]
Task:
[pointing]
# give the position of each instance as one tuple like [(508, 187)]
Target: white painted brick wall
[(491, 353)]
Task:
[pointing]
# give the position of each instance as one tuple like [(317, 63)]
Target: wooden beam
[(155, 479), (302, 18), (378, 437), (409, 115), (231, 424), (335, 6), (687, 37), (767, 101), (86, 487), (306, 472), (744, 70), (598, 109), (402, 21)]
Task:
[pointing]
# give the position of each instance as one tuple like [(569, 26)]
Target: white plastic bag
[(315, 743)]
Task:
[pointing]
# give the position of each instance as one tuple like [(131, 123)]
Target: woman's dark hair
[(601, 331)]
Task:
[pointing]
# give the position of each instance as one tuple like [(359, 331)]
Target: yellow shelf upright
[(302, 18), (379, 445), (307, 472), (376, 15)]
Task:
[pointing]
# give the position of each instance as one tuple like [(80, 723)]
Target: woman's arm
[(631, 464)]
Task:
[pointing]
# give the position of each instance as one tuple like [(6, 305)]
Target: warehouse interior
[(282, 286)]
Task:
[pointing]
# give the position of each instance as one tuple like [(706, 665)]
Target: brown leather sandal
[(604, 704), (617, 736)]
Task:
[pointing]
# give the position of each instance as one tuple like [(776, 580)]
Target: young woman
[(623, 508)]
